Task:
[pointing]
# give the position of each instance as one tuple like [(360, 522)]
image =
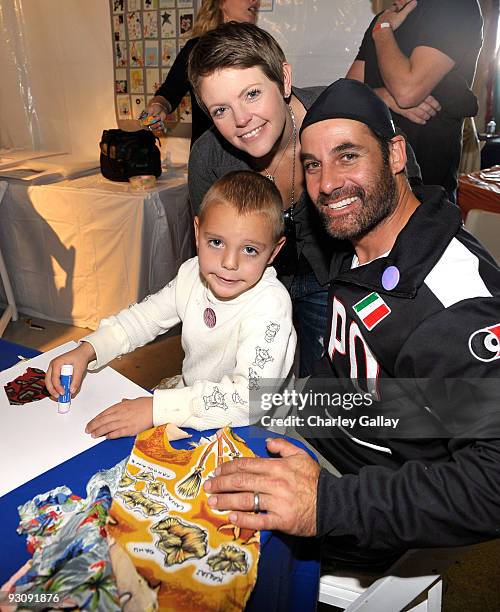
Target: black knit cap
[(348, 99)]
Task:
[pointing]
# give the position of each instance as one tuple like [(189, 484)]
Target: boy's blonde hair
[(247, 192)]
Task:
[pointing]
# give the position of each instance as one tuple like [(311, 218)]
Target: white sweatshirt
[(253, 338)]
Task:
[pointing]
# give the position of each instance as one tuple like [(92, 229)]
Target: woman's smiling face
[(247, 108)]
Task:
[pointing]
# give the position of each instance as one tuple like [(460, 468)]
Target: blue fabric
[(288, 577), (9, 352), (310, 301)]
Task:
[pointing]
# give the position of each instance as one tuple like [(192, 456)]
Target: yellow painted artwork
[(187, 552)]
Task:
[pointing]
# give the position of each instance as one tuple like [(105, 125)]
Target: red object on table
[(479, 190), (27, 388)]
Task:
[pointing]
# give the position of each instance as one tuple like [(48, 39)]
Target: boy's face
[(233, 249)]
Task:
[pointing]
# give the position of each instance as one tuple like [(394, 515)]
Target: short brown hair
[(236, 45), (247, 192)]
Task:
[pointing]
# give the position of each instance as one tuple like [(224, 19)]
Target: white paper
[(50, 169), (34, 437), (10, 157)]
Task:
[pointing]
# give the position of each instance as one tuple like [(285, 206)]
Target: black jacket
[(438, 482)]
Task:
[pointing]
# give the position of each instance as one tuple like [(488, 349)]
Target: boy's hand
[(79, 358), (127, 418)]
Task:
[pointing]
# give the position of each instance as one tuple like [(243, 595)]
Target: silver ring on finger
[(256, 502)]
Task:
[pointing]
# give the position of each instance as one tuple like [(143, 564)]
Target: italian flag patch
[(371, 310)]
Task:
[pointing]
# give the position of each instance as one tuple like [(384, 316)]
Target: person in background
[(420, 58), (168, 97), (236, 315)]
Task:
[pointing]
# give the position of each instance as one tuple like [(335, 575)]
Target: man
[(416, 298), (420, 57)]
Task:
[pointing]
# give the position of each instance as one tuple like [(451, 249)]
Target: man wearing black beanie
[(415, 333)]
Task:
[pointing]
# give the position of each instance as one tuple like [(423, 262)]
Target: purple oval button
[(209, 317), (390, 278)]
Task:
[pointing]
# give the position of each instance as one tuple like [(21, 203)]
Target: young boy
[(236, 319)]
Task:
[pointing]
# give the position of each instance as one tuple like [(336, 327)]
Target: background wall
[(320, 37), (57, 75)]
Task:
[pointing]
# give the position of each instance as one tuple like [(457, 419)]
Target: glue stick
[(64, 401)]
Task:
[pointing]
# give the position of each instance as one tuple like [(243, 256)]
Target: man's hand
[(127, 418), (418, 114), (397, 13), (422, 112), (287, 490)]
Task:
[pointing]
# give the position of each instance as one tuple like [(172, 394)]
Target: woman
[(241, 77), (211, 14)]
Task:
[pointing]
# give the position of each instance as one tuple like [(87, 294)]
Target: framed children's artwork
[(136, 80), (138, 105), (120, 54), (168, 24), (266, 5), (117, 6), (147, 36), (134, 25), (185, 111), (123, 107), (152, 80), (118, 27), (151, 56), (168, 51), (150, 22), (136, 54), (121, 82), (186, 20)]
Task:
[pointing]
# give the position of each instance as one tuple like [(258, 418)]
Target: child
[(236, 316)]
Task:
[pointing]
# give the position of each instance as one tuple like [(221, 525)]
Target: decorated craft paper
[(195, 558)]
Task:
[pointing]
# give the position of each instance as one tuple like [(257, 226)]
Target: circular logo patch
[(209, 317), (484, 344)]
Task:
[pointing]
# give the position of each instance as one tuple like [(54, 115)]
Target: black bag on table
[(126, 154)]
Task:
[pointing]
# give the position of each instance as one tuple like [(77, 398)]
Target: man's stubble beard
[(376, 205)]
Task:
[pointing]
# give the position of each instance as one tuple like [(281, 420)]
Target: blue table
[(288, 575)]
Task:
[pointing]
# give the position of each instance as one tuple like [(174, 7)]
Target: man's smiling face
[(347, 178)]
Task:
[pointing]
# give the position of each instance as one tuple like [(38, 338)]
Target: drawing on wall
[(168, 51), (147, 35), (186, 19), (121, 84), (266, 5)]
